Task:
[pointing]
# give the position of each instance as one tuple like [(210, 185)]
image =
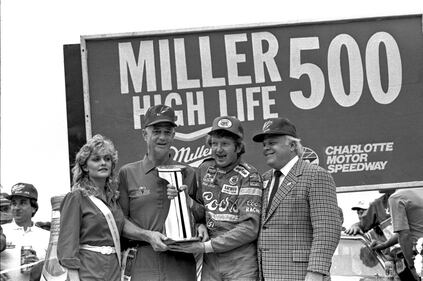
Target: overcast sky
[(33, 111)]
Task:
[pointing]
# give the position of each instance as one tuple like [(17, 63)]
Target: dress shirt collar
[(285, 169)]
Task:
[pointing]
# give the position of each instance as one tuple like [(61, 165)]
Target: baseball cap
[(276, 126), (158, 114), (229, 124), (361, 204), (24, 190)]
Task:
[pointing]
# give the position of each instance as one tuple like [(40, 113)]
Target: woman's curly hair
[(100, 145)]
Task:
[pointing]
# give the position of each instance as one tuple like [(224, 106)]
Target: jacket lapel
[(288, 184), (267, 179)]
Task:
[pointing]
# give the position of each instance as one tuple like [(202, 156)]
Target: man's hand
[(172, 191), (354, 230), (188, 247), (31, 258), (203, 233), (313, 276), (156, 241)]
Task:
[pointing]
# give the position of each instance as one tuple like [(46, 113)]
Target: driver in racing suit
[(230, 191)]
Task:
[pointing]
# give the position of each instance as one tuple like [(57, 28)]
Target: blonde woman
[(87, 246)]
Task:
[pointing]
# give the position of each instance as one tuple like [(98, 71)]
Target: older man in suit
[(300, 223)]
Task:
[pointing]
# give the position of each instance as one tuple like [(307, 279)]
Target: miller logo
[(267, 125), (224, 123)]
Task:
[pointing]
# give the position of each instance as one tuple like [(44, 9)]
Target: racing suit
[(232, 200)]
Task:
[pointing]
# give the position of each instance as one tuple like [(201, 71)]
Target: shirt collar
[(149, 166), (17, 227), (285, 169)]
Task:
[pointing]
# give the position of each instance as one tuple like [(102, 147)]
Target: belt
[(105, 250)]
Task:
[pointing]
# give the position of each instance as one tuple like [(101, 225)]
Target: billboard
[(353, 88)]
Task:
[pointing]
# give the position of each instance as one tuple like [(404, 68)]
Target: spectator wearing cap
[(5, 212), (301, 222), (144, 201), (360, 207), (22, 232), (230, 190), (5, 217), (377, 212)]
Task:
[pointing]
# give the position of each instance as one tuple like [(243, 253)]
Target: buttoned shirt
[(284, 170), (143, 194), (82, 222), (144, 201), (16, 237)]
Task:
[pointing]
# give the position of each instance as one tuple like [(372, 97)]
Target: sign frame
[(85, 40)]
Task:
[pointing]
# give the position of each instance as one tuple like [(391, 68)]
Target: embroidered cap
[(277, 126), (158, 114), (229, 124), (24, 190), (361, 204)]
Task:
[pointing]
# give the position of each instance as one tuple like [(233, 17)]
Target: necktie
[(277, 175)]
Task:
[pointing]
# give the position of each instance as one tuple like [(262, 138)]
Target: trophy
[(178, 225)]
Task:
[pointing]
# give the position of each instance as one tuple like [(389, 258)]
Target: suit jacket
[(303, 226)]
